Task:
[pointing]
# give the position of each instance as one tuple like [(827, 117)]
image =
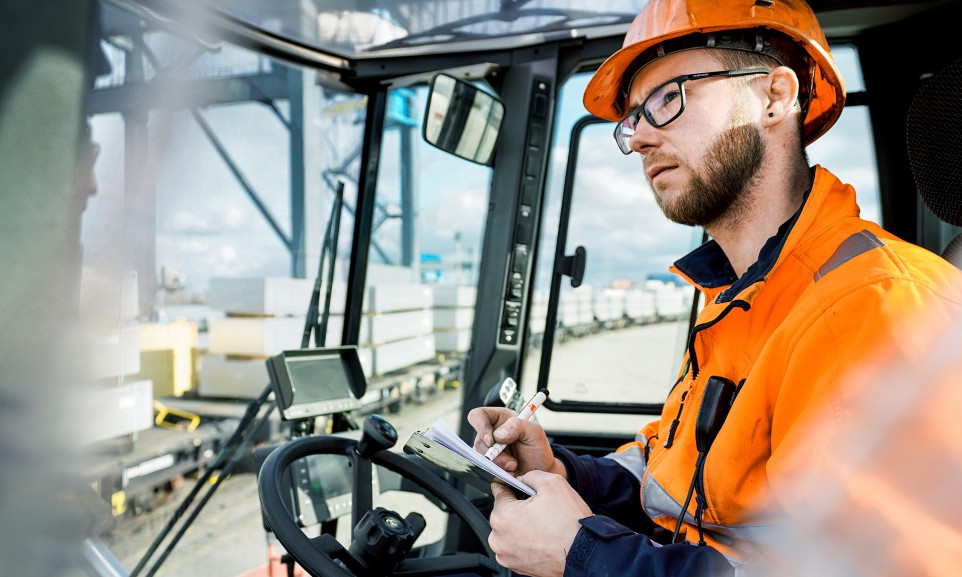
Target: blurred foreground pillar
[(44, 81)]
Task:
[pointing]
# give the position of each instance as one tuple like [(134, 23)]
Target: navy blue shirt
[(608, 542)]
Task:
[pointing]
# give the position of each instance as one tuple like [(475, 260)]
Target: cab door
[(608, 322)]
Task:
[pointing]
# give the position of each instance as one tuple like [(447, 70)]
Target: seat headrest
[(934, 133)]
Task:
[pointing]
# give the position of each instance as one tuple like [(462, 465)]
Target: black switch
[(532, 163), (528, 191), (523, 231), (536, 135), (540, 108)]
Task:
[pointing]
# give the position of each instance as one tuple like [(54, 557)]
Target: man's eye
[(669, 96), (633, 117)]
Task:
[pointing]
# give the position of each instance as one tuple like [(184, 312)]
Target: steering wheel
[(381, 538)]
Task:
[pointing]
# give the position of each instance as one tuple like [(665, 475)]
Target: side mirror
[(462, 119)]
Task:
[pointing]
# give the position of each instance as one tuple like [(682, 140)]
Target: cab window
[(211, 207), (422, 273), (618, 337), (847, 148)]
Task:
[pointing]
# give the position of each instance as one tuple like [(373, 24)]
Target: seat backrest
[(934, 139)]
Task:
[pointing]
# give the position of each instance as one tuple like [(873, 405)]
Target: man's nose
[(645, 137)]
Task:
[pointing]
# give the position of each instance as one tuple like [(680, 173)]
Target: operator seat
[(934, 139)]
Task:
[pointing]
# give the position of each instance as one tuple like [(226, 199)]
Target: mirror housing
[(462, 119)]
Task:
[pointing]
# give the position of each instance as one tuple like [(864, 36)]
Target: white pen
[(529, 408)]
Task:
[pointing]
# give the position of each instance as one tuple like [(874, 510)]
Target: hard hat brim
[(603, 96)]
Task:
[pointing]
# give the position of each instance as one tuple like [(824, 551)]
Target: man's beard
[(717, 191)]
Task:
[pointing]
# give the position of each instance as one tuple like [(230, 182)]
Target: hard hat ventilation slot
[(764, 3)]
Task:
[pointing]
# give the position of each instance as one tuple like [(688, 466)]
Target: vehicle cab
[(415, 186)]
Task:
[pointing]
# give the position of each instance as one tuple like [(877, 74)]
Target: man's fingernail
[(488, 440)]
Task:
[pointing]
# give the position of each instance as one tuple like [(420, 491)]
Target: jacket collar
[(709, 269)]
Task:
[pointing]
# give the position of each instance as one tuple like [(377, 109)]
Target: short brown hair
[(735, 59)]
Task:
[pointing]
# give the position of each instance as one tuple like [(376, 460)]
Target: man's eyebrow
[(633, 104)]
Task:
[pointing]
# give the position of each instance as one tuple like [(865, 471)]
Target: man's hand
[(533, 537), (527, 447)]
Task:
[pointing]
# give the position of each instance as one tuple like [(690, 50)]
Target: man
[(719, 99)]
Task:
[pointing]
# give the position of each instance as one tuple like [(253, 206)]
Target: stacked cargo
[(167, 356), (609, 307), (453, 317), (396, 337), (640, 306), (264, 316), (122, 402), (576, 310), (538, 315), (398, 326), (672, 302)]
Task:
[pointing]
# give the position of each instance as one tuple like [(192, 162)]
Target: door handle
[(574, 266)]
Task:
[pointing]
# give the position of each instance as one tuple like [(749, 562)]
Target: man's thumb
[(502, 492)]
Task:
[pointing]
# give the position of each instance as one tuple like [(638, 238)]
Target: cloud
[(615, 216), (202, 210), (185, 221)]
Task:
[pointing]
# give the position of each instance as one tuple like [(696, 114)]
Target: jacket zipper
[(670, 437), (701, 501), (693, 358), (693, 364)]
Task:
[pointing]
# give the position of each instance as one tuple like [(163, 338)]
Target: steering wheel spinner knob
[(377, 435)]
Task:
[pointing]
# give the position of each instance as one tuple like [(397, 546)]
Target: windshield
[(372, 29)]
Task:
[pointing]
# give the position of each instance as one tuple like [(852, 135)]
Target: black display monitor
[(314, 382)]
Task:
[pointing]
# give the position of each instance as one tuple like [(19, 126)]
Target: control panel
[(525, 225)]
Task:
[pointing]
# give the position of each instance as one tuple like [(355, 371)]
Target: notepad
[(440, 445)]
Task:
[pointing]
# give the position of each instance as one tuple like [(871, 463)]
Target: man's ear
[(781, 92)]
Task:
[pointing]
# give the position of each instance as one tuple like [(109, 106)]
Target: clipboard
[(440, 446)]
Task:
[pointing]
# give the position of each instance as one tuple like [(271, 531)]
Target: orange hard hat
[(663, 26)]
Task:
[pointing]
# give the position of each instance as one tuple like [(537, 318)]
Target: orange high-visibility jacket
[(834, 292)]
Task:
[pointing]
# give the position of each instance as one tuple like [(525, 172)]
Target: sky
[(208, 227)]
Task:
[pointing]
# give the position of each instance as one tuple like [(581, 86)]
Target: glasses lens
[(664, 104), (624, 130)]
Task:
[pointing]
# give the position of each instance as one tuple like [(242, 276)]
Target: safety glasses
[(666, 103)]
